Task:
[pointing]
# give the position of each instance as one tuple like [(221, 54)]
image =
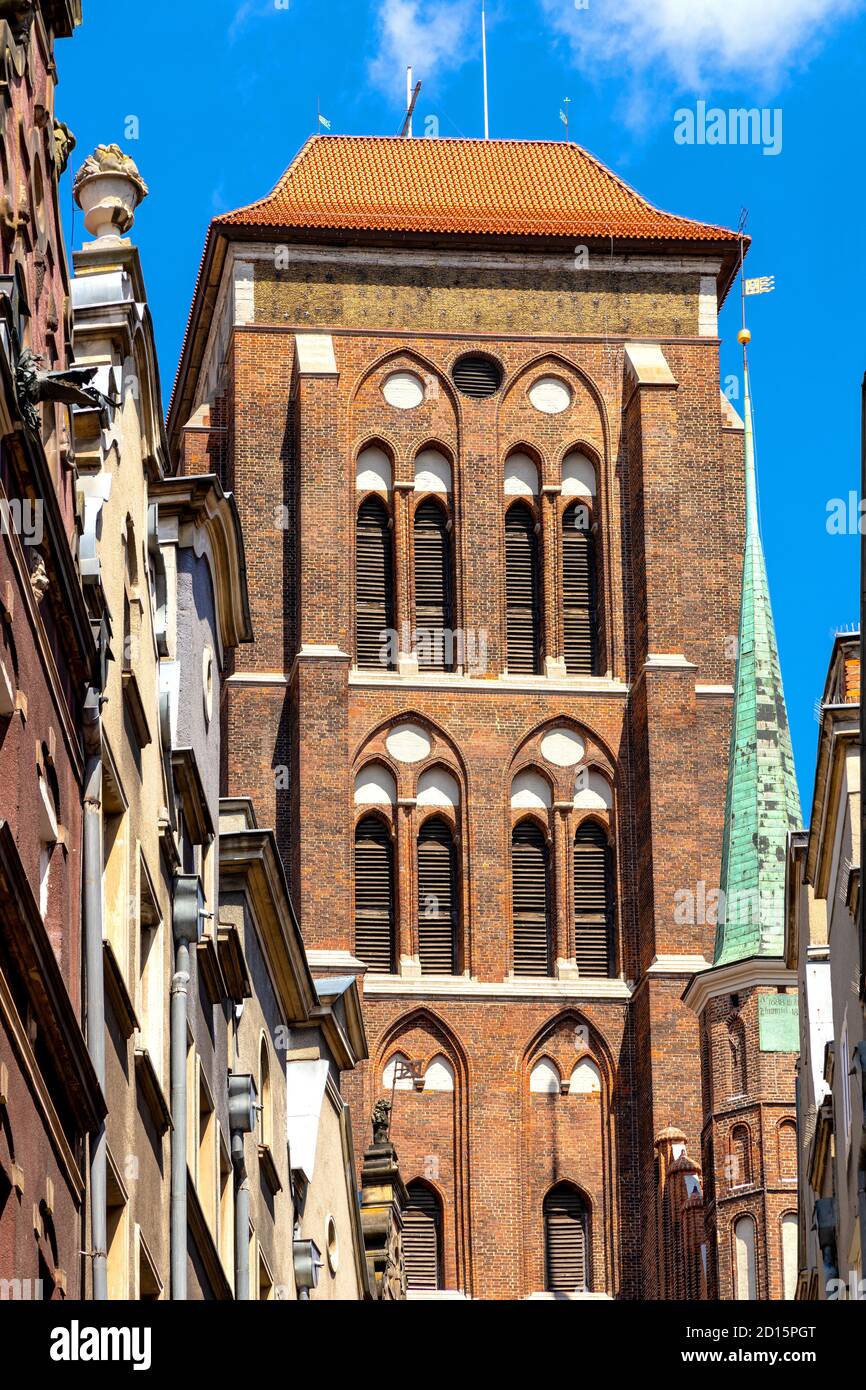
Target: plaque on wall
[(779, 1022)]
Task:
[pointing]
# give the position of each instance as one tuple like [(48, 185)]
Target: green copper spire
[(762, 802)]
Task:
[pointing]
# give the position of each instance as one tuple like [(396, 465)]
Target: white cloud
[(428, 34), (698, 40), (249, 10)]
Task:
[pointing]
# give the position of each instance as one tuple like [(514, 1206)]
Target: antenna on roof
[(411, 99), (484, 65)]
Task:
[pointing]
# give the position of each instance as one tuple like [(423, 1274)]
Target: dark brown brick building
[(467, 397), (50, 1100)]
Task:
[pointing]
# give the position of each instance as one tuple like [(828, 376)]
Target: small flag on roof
[(323, 120), (762, 284)]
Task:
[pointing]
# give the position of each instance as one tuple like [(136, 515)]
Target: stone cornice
[(249, 862), (736, 976), (200, 500), (463, 987)]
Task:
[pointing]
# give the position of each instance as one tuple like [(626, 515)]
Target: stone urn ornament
[(108, 188)]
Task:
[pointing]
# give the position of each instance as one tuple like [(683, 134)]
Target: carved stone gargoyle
[(381, 1118), (70, 387), (19, 15), (64, 144)]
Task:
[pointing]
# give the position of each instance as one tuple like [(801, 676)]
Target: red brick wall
[(669, 536)]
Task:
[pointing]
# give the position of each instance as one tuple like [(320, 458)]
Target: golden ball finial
[(744, 336)]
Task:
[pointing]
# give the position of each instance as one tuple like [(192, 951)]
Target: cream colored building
[(119, 456), (824, 944), (294, 1036), (225, 1168)]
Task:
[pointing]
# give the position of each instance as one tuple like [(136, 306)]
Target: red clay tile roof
[(477, 187)]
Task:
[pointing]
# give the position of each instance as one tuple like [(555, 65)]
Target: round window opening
[(333, 1246), (403, 390), (477, 376), (550, 395)]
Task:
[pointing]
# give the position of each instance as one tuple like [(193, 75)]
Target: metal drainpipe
[(95, 981), (242, 1220), (179, 994), (242, 1121), (186, 923)]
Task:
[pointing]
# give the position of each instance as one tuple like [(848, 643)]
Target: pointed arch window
[(740, 1157), (437, 898), (593, 905), (523, 592), (433, 588), (374, 584), (566, 1240), (579, 592), (745, 1261), (739, 1069), (422, 1238), (529, 900), (374, 895)]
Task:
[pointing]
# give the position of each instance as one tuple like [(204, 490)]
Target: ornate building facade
[(467, 397), (50, 1100), (825, 946)]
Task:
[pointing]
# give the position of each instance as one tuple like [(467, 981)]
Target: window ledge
[(234, 966), (449, 680), (151, 1088), (522, 987), (134, 703), (209, 964), (117, 991), (269, 1168)]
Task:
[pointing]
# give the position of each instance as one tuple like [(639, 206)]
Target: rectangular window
[(115, 884), (150, 1285), (266, 1282), (117, 1240), (226, 1215), (192, 1106), (206, 1185), (152, 969)]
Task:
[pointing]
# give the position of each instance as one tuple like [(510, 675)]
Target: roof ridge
[(278, 186), (573, 154)]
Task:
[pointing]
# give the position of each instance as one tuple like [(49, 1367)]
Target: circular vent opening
[(477, 376)]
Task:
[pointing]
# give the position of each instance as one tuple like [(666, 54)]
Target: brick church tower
[(747, 1003), (466, 394)]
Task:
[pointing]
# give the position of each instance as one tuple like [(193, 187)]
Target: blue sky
[(224, 92)]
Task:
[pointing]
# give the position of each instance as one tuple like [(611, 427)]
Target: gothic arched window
[(434, 622), (566, 1240), (522, 591), (437, 898), (529, 900), (422, 1238), (580, 622), (374, 895), (593, 906), (374, 585)]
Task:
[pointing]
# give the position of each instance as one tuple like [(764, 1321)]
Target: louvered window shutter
[(529, 900), (592, 900), (433, 607), (421, 1226), (578, 595), (565, 1238), (374, 896), (437, 905), (374, 588), (523, 618)]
